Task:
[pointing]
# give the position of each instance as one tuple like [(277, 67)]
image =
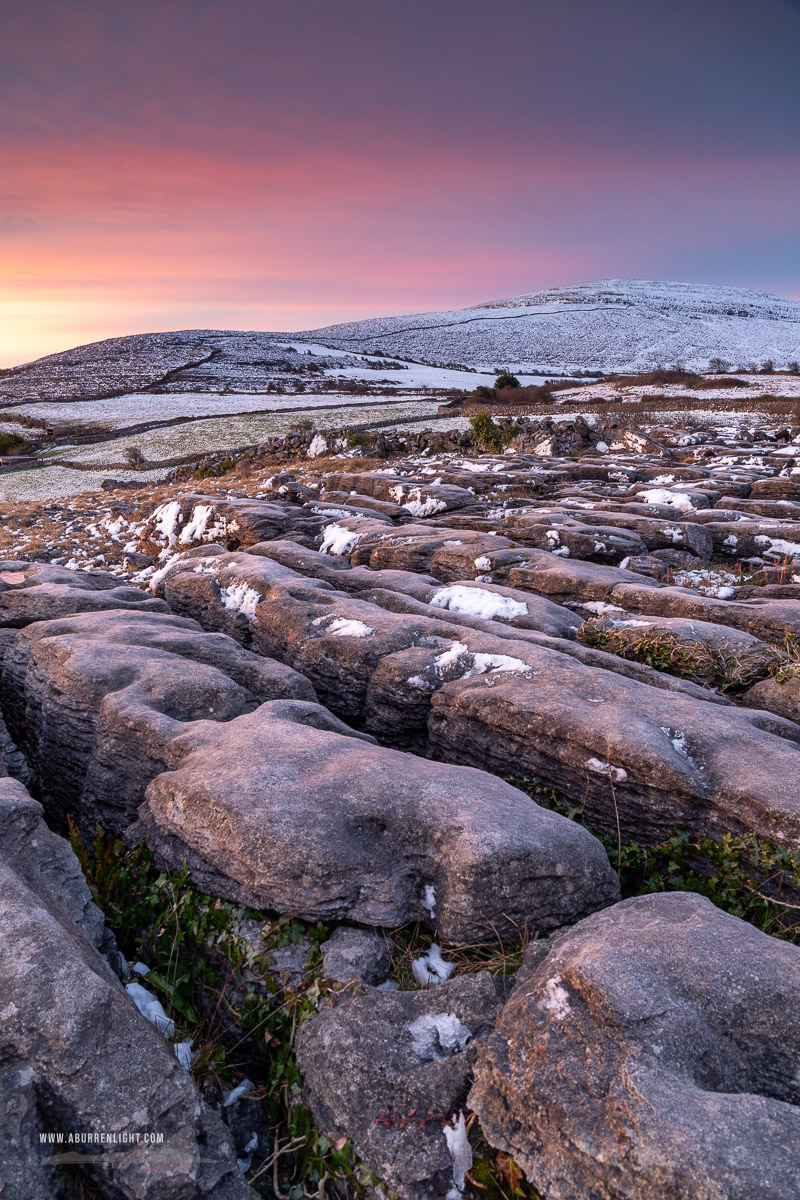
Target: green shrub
[(13, 443), (506, 380), (490, 436)]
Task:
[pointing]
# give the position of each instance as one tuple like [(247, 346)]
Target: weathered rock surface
[(39, 592), (77, 1057), (94, 699), (356, 954), (648, 759), (190, 520), (524, 709), (651, 1055), (287, 809), (391, 1071)]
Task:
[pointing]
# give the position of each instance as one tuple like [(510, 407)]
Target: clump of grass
[(217, 988), (789, 668), (723, 668)]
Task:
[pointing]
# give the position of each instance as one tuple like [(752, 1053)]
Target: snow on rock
[(431, 968), (318, 446), (342, 627), (475, 602), (438, 1035), (151, 1008), (337, 540), (617, 774), (419, 507), (777, 547), (460, 1152), (197, 528), (677, 500), (556, 999), (476, 664), (240, 597), (167, 520)]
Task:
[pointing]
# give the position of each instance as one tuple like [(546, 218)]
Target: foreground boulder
[(288, 809), (652, 1055), (77, 1057), (391, 1071)]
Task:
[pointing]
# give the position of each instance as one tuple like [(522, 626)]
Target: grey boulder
[(651, 1055)]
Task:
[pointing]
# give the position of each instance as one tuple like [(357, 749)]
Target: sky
[(284, 164)]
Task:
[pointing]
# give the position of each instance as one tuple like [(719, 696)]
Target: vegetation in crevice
[(723, 668), (491, 436), (744, 875), (218, 988)]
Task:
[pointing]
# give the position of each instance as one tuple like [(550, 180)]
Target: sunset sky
[(281, 164)]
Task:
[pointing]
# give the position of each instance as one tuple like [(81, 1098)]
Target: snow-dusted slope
[(614, 325)]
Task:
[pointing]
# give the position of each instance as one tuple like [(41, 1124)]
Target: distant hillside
[(616, 325), (613, 325)]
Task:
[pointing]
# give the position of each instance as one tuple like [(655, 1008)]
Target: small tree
[(506, 380), (718, 366), (767, 367), (134, 457), (793, 368)]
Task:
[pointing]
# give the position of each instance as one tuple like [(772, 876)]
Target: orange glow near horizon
[(293, 163), (120, 239)]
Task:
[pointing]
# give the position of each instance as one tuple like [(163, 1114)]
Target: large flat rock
[(287, 809)]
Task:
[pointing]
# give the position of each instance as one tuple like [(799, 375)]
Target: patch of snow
[(167, 519), (151, 1008), (438, 1035), (777, 547), (318, 446), (194, 529), (429, 899), (460, 1153), (423, 508), (448, 657), (241, 1089), (183, 1053), (555, 999), (677, 500), (475, 602), (240, 597), (431, 968), (338, 540), (342, 627), (617, 774)]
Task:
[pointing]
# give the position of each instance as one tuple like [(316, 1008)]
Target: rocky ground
[(433, 805)]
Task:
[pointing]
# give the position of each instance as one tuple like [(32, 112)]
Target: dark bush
[(505, 380), (12, 443)]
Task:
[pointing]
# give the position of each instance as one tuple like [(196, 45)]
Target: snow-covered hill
[(613, 325)]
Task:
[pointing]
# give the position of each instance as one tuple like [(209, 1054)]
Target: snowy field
[(108, 459), (139, 407)]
